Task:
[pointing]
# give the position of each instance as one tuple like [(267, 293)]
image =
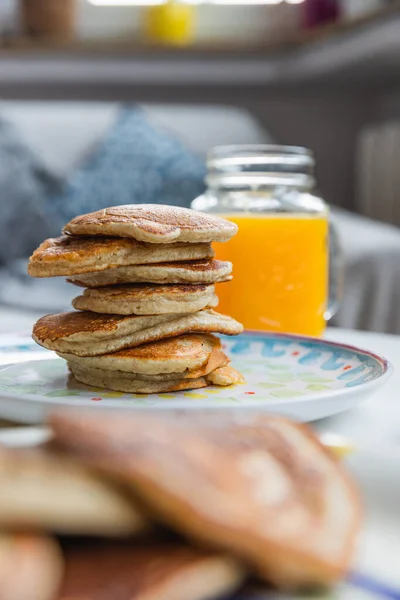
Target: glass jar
[(281, 253)]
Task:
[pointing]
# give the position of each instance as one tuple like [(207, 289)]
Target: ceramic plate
[(304, 378), (375, 574)]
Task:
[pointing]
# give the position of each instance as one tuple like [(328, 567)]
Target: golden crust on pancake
[(194, 272), (173, 355), (147, 299), (92, 334), (263, 488), (68, 255), (62, 325), (154, 223), (153, 571)]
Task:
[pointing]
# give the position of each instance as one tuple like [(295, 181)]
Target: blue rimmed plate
[(304, 378)]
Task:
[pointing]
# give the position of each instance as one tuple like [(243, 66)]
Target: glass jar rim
[(263, 150), (248, 180)]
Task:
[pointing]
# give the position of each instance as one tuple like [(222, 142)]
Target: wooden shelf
[(365, 52), (27, 47)]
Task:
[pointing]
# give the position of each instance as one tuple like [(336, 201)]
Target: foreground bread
[(92, 334), (147, 572), (265, 490), (31, 567), (68, 255), (154, 223), (198, 271), (51, 492), (147, 299)]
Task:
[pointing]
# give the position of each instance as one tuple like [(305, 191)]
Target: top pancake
[(67, 255), (154, 223)]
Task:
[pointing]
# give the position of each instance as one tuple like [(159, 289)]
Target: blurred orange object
[(287, 259), (280, 272), (170, 23)]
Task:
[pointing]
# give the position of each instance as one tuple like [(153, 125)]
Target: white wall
[(234, 23)]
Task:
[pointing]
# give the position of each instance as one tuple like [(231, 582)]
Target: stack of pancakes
[(146, 319)]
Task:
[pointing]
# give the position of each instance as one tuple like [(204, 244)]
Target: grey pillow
[(24, 186)]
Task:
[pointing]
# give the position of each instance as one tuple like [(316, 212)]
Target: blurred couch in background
[(62, 135)]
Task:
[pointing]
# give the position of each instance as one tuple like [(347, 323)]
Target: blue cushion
[(135, 163), (24, 183)]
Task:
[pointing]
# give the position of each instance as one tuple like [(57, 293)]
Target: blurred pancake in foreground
[(51, 492), (93, 334), (147, 299), (68, 255), (264, 488), (31, 567), (160, 572), (154, 223), (198, 271)]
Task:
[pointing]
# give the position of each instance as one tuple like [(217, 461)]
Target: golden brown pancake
[(262, 488), (198, 271), (148, 572), (51, 492), (224, 376), (118, 381), (147, 299), (93, 334), (174, 355), (69, 255), (154, 223), (31, 567), (122, 381)]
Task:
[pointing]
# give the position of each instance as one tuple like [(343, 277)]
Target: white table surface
[(374, 423)]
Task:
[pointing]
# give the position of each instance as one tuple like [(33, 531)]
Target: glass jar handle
[(336, 272)]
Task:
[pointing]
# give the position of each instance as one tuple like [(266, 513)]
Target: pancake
[(31, 567), (120, 381), (92, 334), (147, 299), (68, 255), (224, 376), (262, 488), (154, 223), (199, 271), (147, 572), (175, 355), (41, 490)]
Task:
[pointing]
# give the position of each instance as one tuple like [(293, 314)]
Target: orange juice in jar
[(280, 255)]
